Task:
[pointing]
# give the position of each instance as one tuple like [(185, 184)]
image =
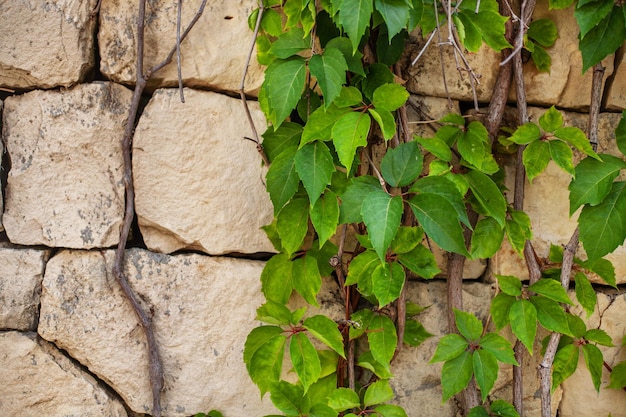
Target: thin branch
[(421, 52)]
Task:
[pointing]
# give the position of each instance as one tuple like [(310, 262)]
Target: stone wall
[(70, 343)]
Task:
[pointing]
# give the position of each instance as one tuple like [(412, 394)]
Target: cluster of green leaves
[(541, 34)]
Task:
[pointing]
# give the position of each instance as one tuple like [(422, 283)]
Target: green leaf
[(577, 326), (485, 371), (290, 43), (390, 410), (382, 339), (307, 280), (292, 224), (475, 148), (603, 39), (352, 198), (415, 333), (590, 14), (486, 239), (526, 133), (444, 187), (560, 4), (620, 134), (361, 269), (603, 227), (551, 315), (491, 27), (449, 347), (276, 278), (289, 398), (478, 411), (406, 239), (361, 320), (523, 317), (395, 13), (469, 34), (381, 214), (349, 96), (354, 16), (510, 285), (330, 71), (266, 362), (282, 178), (544, 32), (438, 218), (325, 216), (276, 141), (284, 84), (585, 293), (304, 359), (535, 158), (469, 326), (343, 399), (271, 22), (551, 119), (257, 338), (577, 138), (320, 123), (551, 289), (401, 165), (518, 230), (367, 361), (456, 374), (385, 120), (603, 268), (421, 261), (618, 376), (349, 133), (378, 392), (500, 309), (325, 330), (499, 347), (503, 409), (436, 146), (562, 155), (593, 180), (377, 74), (353, 58), (390, 96), (273, 313), (564, 365), (488, 195), (387, 282), (314, 165), (599, 336), (540, 57), (293, 11), (322, 410)]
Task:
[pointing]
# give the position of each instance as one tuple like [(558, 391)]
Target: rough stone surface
[(65, 184), (616, 94), (204, 308), (21, 272), (1, 165), (38, 380), (190, 191), (45, 44), (213, 54)]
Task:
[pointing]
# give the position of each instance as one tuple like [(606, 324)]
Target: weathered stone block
[(65, 184), (38, 380), (203, 309), (213, 55), (45, 44), (199, 185), (616, 94), (21, 272)]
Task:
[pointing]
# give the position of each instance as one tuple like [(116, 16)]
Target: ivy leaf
[(401, 165), (325, 330), (445, 188), (382, 339), (361, 269), (381, 214), (421, 261), (593, 180), (395, 13), (290, 43), (551, 289), (540, 57), (503, 409), (510, 285), (585, 294), (406, 239), (322, 410), (500, 309), (577, 138), (499, 347), (603, 227), (478, 411), (307, 279), (266, 362), (577, 326), (320, 123), (367, 361), (456, 374), (603, 268), (603, 39), (415, 333), (590, 14), (486, 239), (387, 282), (354, 16), (274, 313), (518, 230), (353, 58), (282, 178), (378, 392), (349, 133), (469, 34), (436, 146), (474, 147), (289, 398), (523, 317), (551, 315), (449, 347), (275, 141), (544, 32), (535, 158), (271, 22), (385, 120), (618, 376), (525, 134), (491, 27), (620, 134), (564, 365), (276, 278), (551, 119), (330, 71), (599, 336), (292, 224), (304, 359), (343, 399), (390, 96), (488, 195), (257, 338), (284, 84), (469, 326), (485, 371), (390, 410), (325, 216), (562, 155), (314, 165), (348, 96)]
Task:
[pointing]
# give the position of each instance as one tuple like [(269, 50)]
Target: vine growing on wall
[(334, 98)]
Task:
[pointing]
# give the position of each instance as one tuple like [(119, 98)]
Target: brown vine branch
[(145, 319)]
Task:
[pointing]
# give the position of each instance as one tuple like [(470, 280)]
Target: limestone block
[(579, 395), (65, 184), (38, 380), (203, 309), (45, 44), (616, 93), (1, 165), (199, 185), (21, 272), (546, 201), (213, 55)]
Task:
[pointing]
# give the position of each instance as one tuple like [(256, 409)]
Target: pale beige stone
[(1, 159), (45, 44), (199, 184), (203, 309), (424, 111), (213, 55), (21, 272), (616, 93), (65, 184), (38, 380)]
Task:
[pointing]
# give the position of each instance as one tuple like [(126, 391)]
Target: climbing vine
[(334, 98)]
